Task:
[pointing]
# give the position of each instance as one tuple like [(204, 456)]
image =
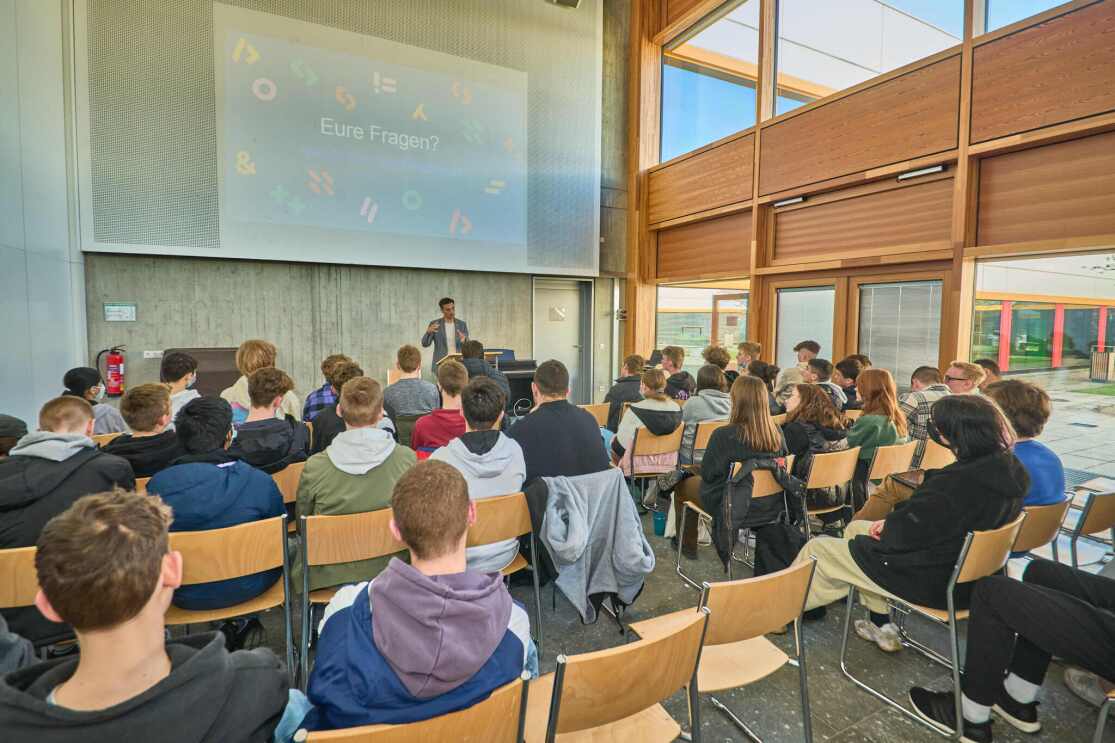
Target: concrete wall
[(42, 322)]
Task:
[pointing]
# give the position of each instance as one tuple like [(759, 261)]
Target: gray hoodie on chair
[(706, 405)]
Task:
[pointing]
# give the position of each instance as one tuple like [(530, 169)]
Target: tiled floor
[(1082, 428)]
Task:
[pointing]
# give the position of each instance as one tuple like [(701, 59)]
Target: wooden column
[(757, 309)]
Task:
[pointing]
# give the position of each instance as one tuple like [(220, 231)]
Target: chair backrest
[(599, 411), (1041, 525), (101, 439), (763, 482), (310, 433), (647, 444), (890, 460), (779, 419), (496, 719), (832, 468), (499, 518), (404, 427), (231, 552), (703, 433), (287, 479), (393, 375), (851, 415), (751, 607), (141, 484), (586, 692), (349, 537), (936, 456), (18, 580), (1099, 514), (986, 552)]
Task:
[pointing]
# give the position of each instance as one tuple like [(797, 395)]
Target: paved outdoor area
[(1082, 428)]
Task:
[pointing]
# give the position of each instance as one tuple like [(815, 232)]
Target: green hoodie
[(869, 432)]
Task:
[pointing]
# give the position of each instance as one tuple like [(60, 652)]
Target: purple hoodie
[(437, 632)]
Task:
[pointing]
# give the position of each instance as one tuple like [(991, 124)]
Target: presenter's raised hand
[(461, 337), (433, 327)]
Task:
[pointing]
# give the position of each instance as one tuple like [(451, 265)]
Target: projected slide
[(365, 150)]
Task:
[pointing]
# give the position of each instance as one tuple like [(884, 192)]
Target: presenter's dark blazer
[(441, 345)]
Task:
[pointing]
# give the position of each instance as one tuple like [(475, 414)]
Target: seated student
[(557, 437), (746, 353), (769, 375), (104, 566), (491, 463), (423, 639), (441, 426), (717, 356), (325, 396), (844, 374), (85, 382), (863, 359), (679, 383), (263, 440), (991, 373), (805, 351), (814, 426), (179, 370), (911, 554), (151, 446), (250, 357), (1015, 629), (209, 489), (785, 382), (12, 429), (472, 356), (711, 403), (656, 412), (328, 423), (626, 389), (1028, 407), (881, 424), (355, 474), (819, 372), (410, 394), (43, 475), (964, 378)]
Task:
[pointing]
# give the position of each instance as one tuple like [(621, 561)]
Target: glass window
[(708, 80), (695, 317), (900, 326), (824, 47), (804, 314), (1005, 12)]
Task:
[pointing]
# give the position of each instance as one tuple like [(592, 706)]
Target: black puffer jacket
[(626, 389), (681, 385), (146, 454), (272, 444)]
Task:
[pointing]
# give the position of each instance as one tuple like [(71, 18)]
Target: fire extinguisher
[(113, 371)]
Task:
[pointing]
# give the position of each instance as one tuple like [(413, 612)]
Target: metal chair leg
[(806, 719), (738, 722), (681, 539), (954, 646), (1102, 722), (536, 558)]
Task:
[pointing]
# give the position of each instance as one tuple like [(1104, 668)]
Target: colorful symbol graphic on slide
[(265, 89), (459, 224), (369, 209), (419, 113), (244, 164), (473, 131), (383, 84), (495, 187), (320, 182), (345, 98), (245, 51), (463, 92), (412, 200), (279, 195), (304, 72)]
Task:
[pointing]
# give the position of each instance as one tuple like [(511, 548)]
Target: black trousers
[(1053, 610)]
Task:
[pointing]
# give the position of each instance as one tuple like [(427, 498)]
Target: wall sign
[(120, 311)]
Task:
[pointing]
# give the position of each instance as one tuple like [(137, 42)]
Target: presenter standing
[(447, 333)]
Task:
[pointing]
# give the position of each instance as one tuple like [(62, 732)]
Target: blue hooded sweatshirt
[(213, 496)]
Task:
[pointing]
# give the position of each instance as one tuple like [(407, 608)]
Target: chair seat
[(652, 725), (519, 563), (269, 599), (323, 595), (939, 615), (700, 511), (819, 511)]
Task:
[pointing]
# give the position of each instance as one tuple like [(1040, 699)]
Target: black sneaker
[(1022, 716), (939, 709)]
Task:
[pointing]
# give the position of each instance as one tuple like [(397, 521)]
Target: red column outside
[(1058, 334), (1004, 334), (1101, 337)]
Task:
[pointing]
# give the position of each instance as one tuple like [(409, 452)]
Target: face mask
[(192, 382), (100, 392)]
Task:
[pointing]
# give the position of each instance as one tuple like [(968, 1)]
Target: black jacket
[(681, 382), (146, 454), (210, 695), (481, 368), (327, 424), (560, 439), (922, 537), (33, 490), (272, 444), (724, 449), (803, 440), (658, 422), (626, 389)]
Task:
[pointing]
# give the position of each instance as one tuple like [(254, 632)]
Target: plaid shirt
[(318, 400), (916, 405)]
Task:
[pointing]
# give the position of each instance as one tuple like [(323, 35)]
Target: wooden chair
[(891, 460), (310, 430), (1042, 525), (852, 415), (779, 419), (828, 470), (615, 694), (742, 611), (508, 517), (287, 479), (18, 580), (101, 439), (498, 719), (394, 374), (1098, 515), (599, 411), (702, 435), (329, 540), (984, 553), (233, 552), (404, 427), (141, 484), (936, 456), (647, 444)]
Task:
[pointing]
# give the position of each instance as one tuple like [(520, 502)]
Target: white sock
[(1020, 689), (973, 712)]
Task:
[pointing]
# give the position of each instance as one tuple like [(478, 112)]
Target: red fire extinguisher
[(113, 372)]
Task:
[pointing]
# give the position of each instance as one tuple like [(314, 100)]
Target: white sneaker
[(1085, 685), (886, 637)]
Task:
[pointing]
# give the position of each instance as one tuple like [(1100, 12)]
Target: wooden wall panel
[(699, 249), (910, 116), (908, 219), (675, 9), (713, 178), (1057, 71), (1063, 190)]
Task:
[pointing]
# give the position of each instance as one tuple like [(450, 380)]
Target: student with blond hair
[(964, 378), (250, 357)]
